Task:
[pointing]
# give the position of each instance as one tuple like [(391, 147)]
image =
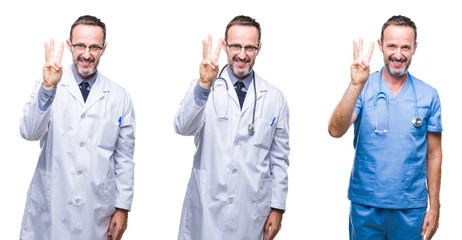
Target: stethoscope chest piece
[(251, 129), (417, 122)]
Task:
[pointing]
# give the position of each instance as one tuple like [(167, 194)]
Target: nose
[(86, 53), (242, 53)]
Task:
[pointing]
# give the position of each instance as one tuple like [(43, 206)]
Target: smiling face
[(397, 47), (241, 61), (86, 60)]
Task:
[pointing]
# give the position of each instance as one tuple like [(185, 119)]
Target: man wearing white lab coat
[(238, 185), (83, 183)]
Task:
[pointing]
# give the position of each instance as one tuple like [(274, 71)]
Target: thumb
[(110, 230), (267, 229), (424, 229)]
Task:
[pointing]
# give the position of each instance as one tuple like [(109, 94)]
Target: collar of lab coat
[(98, 90), (261, 86)]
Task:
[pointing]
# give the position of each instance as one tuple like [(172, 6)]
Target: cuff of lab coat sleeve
[(45, 98), (277, 209), (201, 95), (123, 206)]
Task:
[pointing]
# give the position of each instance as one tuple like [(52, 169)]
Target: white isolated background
[(154, 50)]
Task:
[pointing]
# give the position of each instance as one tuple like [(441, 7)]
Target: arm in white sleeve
[(190, 117), (123, 157), (34, 123), (279, 153)]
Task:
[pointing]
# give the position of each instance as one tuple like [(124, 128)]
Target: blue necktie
[(239, 86), (84, 89)]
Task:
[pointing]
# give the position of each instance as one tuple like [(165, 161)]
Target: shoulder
[(113, 87), (268, 87), (423, 86)]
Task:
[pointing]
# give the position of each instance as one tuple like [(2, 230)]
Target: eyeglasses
[(80, 47), (237, 48)]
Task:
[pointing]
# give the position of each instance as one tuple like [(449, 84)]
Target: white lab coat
[(236, 178), (85, 168)]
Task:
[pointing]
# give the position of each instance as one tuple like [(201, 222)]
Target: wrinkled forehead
[(397, 33), (243, 34), (83, 33)]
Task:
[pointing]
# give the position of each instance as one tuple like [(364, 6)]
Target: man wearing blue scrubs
[(397, 127)]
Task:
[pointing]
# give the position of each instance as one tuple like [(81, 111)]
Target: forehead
[(87, 33), (398, 34), (243, 34)]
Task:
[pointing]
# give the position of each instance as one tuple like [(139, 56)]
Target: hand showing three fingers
[(360, 67), (209, 65), (53, 70)]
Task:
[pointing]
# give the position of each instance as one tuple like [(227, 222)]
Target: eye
[(235, 46), (250, 48), (95, 48)]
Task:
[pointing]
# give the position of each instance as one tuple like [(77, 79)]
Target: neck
[(395, 83)]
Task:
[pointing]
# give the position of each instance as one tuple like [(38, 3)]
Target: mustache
[(404, 59), (91, 59), (236, 58)]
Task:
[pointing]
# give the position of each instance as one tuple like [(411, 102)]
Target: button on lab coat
[(85, 168), (236, 178)]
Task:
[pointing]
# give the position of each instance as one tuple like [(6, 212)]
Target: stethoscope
[(251, 127), (381, 94)]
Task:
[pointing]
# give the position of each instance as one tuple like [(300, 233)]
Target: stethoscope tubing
[(381, 94), (251, 127)]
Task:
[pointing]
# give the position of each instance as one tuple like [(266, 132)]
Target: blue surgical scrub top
[(389, 169)]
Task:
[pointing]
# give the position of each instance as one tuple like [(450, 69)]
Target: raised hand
[(209, 65), (360, 67), (53, 70)]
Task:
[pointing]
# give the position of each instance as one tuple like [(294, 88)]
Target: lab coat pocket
[(40, 188), (264, 132), (39, 203), (197, 190), (109, 134), (108, 200), (263, 198)]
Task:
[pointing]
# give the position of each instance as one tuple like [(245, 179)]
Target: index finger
[(60, 52), (370, 51), (47, 51), (216, 54), (355, 50), (52, 48)]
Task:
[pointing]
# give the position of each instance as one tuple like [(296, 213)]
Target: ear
[(223, 44), (69, 45), (415, 48), (104, 49), (379, 42), (259, 49)]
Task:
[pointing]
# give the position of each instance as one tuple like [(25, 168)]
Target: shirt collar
[(79, 80), (247, 81)]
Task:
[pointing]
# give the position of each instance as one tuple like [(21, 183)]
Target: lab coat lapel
[(98, 91), (232, 92), (249, 97), (68, 82)]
